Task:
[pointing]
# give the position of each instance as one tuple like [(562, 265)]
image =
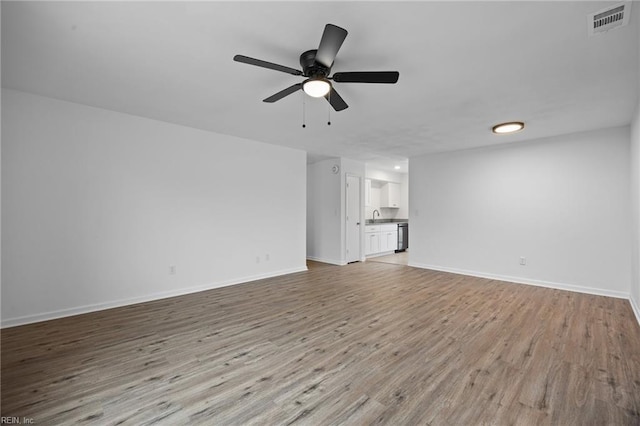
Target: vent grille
[(607, 19)]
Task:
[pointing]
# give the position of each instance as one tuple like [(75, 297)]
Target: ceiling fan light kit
[(316, 66), (316, 87)]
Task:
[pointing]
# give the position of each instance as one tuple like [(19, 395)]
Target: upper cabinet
[(390, 195)]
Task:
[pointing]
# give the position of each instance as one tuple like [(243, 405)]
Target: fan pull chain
[(303, 111)]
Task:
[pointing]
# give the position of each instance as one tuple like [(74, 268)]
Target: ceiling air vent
[(615, 16)]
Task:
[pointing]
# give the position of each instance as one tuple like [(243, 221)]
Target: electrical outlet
[(266, 257), (523, 261), (172, 270), (257, 259)]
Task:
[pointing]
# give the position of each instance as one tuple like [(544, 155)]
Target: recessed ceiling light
[(511, 127), (397, 167), (316, 87)]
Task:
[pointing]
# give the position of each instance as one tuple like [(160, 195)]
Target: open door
[(353, 219)]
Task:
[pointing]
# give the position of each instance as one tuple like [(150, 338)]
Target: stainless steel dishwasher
[(403, 237)]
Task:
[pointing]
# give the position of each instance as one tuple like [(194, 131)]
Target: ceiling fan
[(316, 65)]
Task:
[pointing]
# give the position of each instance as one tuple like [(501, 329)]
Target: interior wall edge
[(526, 281), (30, 319), (635, 306)]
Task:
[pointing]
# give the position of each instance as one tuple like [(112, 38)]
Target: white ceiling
[(464, 66)]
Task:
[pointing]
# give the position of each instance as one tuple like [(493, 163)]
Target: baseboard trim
[(30, 319), (527, 281), (324, 260), (635, 307)]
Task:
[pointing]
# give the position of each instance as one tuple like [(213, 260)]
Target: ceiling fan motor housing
[(310, 67)]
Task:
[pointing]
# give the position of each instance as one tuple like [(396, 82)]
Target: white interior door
[(353, 219)]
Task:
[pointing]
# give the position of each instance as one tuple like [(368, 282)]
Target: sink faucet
[(374, 215)]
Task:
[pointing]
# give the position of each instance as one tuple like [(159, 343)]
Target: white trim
[(635, 307), (330, 261), (528, 281), (28, 319)]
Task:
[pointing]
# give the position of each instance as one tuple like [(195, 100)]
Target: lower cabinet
[(372, 243), (389, 239), (380, 239)]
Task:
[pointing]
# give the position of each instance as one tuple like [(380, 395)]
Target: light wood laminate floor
[(367, 343), (401, 258)]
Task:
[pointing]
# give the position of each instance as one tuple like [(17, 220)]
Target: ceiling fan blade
[(265, 64), (332, 38), (336, 100), (388, 77), (281, 94)]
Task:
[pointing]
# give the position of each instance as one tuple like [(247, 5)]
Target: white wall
[(324, 210), (635, 190), (561, 202), (403, 211), (383, 175), (635, 212), (0, 185), (97, 205)]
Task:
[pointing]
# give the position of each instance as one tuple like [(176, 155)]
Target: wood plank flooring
[(366, 343), (401, 258)]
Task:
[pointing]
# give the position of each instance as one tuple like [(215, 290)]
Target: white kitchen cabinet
[(388, 238), (380, 238), (390, 195), (372, 243)]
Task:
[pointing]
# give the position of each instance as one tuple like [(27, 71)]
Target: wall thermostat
[(335, 169)]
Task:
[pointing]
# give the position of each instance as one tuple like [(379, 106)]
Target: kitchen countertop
[(383, 221)]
